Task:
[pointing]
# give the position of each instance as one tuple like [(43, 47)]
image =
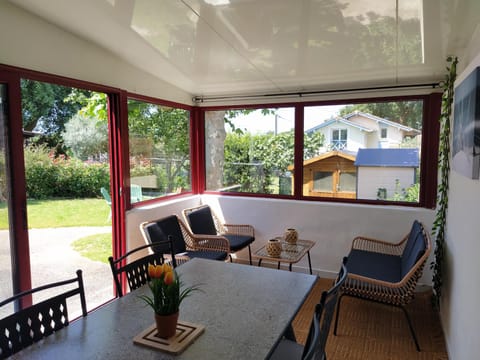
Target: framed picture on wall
[(466, 126)]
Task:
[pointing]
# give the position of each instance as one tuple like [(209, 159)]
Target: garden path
[(53, 259)]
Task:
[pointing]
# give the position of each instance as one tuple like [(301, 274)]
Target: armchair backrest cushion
[(201, 221), (414, 249), (159, 231)]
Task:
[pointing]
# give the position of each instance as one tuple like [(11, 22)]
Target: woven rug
[(367, 330)]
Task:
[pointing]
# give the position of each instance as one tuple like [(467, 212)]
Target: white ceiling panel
[(219, 47)]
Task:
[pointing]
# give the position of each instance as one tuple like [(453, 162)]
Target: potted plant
[(167, 295)]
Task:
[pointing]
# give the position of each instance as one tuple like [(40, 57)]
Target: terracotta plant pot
[(291, 236), (274, 247), (166, 325)]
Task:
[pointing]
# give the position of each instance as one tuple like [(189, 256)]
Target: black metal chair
[(137, 271), (33, 323), (314, 348), (185, 244), (203, 220)]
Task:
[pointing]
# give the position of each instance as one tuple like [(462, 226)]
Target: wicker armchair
[(186, 245), (203, 220), (387, 273)]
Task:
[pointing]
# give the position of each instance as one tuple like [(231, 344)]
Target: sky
[(257, 123)]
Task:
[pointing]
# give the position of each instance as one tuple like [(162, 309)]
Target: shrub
[(47, 176)]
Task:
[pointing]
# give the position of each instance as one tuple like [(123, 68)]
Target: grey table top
[(244, 309)]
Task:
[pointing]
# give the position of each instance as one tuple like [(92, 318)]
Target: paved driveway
[(52, 258)]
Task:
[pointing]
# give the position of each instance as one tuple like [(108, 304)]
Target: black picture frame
[(466, 126)]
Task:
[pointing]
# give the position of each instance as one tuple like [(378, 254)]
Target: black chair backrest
[(201, 221), (137, 271), (317, 337), (33, 323), (165, 227)]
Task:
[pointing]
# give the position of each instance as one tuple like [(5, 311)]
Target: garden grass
[(96, 247), (54, 213)]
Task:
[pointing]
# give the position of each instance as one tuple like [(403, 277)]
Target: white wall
[(461, 292), (38, 45), (370, 179), (331, 226)]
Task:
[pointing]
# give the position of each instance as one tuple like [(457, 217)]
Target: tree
[(408, 113), (167, 130), (47, 108), (86, 137), (253, 161)]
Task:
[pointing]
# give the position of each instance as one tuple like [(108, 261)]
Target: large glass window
[(65, 142), (159, 143), (369, 148), (250, 151)]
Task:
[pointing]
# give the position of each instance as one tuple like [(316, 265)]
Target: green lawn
[(70, 212), (62, 213), (96, 247)]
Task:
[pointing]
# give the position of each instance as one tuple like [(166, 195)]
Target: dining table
[(243, 310)]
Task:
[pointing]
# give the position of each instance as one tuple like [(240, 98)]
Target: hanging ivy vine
[(439, 225)]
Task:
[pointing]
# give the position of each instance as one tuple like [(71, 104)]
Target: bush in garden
[(47, 176)]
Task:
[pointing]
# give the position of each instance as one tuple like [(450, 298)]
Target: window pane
[(347, 181), (159, 150), (66, 159), (322, 181), (371, 146), (6, 290), (250, 151)]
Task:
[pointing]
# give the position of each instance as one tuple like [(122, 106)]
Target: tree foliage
[(408, 113), (165, 132), (86, 137), (254, 161), (45, 106)]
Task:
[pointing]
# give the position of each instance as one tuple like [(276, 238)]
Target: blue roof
[(387, 157)]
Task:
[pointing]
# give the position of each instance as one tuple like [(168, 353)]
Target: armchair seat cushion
[(375, 265), (210, 255), (238, 242)]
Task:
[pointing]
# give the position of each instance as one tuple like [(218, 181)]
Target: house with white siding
[(359, 130)]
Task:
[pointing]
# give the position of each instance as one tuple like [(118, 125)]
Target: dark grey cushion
[(201, 221), (238, 242), (211, 255), (414, 249), (375, 265), (416, 252), (161, 229)]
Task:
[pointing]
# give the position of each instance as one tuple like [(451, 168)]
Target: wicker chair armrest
[(210, 242), (377, 285), (239, 229), (376, 245)]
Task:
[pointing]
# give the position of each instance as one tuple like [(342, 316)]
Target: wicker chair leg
[(336, 315), (250, 254), (412, 331), (230, 256)]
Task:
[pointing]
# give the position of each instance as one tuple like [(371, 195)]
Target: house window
[(347, 181), (256, 150), (383, 133), (250, 150), (159, 150), (339, 139), (322, 181)]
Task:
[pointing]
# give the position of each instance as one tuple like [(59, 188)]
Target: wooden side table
[(290, 254)]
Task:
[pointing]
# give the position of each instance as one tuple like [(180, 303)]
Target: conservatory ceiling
[(225, 47)]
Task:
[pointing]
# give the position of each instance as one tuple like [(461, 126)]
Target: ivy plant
[(439, 225)]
